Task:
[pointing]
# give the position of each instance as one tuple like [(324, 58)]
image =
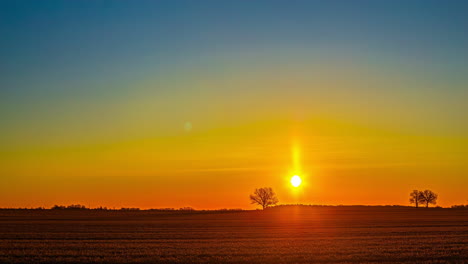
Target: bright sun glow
[(296, 181)]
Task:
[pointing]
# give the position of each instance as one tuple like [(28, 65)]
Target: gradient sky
[(197, 103)]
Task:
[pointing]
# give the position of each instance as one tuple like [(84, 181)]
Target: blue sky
[(63, 41)]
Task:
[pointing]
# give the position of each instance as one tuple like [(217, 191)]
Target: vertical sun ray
[(295, 151)]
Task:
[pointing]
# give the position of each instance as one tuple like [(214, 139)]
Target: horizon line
[(189, 208)]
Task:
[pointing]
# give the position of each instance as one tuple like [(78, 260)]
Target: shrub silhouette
[(70, 207)]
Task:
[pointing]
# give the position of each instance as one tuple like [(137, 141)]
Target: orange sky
[(340, 163)]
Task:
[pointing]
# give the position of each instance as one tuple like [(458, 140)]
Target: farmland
[(280, 235)]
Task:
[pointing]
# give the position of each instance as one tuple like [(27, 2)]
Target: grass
[(281, 235)]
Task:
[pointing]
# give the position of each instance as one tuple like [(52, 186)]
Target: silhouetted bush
[(70, 207), (129, 209), (460, 206), (186, 209), (162, 209)]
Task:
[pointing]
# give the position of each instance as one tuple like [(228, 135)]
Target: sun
[(296, 181)]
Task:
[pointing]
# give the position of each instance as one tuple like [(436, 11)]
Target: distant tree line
[(82, 207), (460, 206), (264, 197), (70, 207)]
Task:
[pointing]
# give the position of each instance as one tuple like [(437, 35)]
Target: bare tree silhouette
[(415, 197), (264, 197), (428, 197)]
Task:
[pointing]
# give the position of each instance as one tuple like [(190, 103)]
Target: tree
[(415, 197), (428, 197), (264, 197)]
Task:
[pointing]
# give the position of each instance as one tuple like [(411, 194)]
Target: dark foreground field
[(287, 235)]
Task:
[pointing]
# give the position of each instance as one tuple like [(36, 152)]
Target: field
[(280, 235)]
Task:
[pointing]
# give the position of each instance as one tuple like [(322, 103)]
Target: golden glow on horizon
[(332, 167), (296, 181)]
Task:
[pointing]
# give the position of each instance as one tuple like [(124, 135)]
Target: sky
[(157, 104)]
